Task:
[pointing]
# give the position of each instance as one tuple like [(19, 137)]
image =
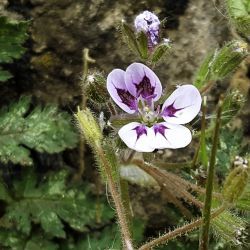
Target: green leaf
[(12, 35), (159, 52), (42, 129), (50, 203), (239, 13), (4, 194), (129, 37), (142, 41), (38, 242), (11, 239), (229, 147), (4, 75), (109, 238)]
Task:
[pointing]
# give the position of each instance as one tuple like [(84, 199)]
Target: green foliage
[(229, 147), (42, 129), (50, 203), (12, 35), (107, 238), (160, 51), (228, 227), (138, 43), (239, 13), (220, 63), (142, 41)]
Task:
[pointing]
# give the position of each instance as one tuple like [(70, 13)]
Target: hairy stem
[(179, 231), (86, 60), (121, 213), (126, 201), (204, 237)]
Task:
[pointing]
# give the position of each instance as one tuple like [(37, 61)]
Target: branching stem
[(179, 231)]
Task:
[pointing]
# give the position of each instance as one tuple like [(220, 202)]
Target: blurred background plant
[(43, 204)]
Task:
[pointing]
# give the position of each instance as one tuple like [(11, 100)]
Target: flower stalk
[(93, 135), (204, 237), (121, 214)]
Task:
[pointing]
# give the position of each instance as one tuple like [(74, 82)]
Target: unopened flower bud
[(89, 127), (96, 88), (235, 183), (228, 58), (149, 23)]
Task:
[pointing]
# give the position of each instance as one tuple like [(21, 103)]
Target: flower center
[(149, 116)]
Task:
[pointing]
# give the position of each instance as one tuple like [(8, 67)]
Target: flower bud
[(96, 88), (149, 23), (228, 58), (89, 127), (220, 63), (235, 183)]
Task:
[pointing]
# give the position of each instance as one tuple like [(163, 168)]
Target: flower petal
[(182, 105), (137, 136), (170, 135), (118, 91), (142, 81)]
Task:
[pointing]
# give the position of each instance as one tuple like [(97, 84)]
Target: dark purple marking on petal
[(160, 128), (170, 110), (140, 130), (127, 98), (145, 89)]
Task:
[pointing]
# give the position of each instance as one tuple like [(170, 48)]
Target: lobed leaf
[(42, 129)]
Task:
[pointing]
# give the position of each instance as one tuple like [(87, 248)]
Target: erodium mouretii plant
[(126, 140)]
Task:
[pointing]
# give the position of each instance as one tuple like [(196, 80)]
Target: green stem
[(126, 201), (86, 60), (179, 231), (121, 213), (203, 150), (204, 237)]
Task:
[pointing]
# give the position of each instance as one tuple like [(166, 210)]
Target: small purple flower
[(150, 24), (135, 91)]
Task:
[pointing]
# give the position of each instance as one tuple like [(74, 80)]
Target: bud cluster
[(144, 37)]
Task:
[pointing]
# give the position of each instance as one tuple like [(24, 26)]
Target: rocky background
[(51, 68)]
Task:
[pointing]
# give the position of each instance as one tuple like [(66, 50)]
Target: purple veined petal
[(182, 105), (141, 81), (137, 136), (171, 136), (118, 91)]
